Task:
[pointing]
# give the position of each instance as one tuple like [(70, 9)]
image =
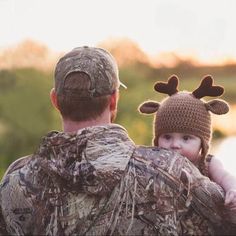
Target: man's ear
[(113, 100), (53, 98)]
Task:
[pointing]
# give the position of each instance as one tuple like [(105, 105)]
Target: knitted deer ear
[(207, 88), (148, 107), (218, 107), (170, 88)]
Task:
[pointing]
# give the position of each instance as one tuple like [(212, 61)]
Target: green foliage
[(25, 112), (218, 134), (139, 89)]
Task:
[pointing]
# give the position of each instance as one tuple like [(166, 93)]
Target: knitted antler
[(207, 89), (170, 88)]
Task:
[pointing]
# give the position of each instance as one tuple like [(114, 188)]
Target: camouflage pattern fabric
[(97, 182)]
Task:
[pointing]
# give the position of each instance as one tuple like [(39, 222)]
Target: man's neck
[(73, 126)]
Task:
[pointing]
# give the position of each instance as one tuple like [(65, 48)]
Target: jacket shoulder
[(17, 164), (147, 151), (157, 155)]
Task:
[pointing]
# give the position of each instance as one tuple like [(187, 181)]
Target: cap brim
[(122, 85)]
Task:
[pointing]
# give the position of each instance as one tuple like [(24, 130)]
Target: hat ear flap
[(149, 107), (217, 106)]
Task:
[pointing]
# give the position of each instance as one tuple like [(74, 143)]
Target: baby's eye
[(167, 136), (186, 137)]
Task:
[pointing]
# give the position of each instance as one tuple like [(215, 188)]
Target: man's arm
[(17, 164), (3, 230), (14, 166)]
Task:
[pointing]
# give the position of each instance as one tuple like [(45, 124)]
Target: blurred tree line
[(26, 113)]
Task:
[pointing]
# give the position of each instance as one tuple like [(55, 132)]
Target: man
[(91, 179)]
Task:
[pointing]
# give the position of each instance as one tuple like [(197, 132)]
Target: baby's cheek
[(163, 144), (192, 156)]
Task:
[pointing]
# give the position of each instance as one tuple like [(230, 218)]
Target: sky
[(201, 28)]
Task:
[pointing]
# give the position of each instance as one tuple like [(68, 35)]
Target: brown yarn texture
[(183, 113)]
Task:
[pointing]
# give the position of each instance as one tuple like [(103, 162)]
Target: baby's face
[(186, 144)]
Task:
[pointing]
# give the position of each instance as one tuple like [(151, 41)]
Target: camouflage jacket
[(97, 182)]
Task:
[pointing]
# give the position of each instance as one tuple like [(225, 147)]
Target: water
[(226, 152)]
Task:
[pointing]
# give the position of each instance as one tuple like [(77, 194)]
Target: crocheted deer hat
[(186, 112)]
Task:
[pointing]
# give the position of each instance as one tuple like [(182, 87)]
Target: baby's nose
[(175, 144)]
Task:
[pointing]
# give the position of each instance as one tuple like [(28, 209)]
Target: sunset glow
[(201, 30), (226, 122)]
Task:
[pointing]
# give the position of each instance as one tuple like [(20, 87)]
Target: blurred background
[(150, 39)]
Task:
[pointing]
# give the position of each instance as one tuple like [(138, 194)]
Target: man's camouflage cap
[(97, 63)]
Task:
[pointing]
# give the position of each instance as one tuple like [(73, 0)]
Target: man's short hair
[(78, 108)]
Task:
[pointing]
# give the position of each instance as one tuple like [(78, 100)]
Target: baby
[(183, 124)]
